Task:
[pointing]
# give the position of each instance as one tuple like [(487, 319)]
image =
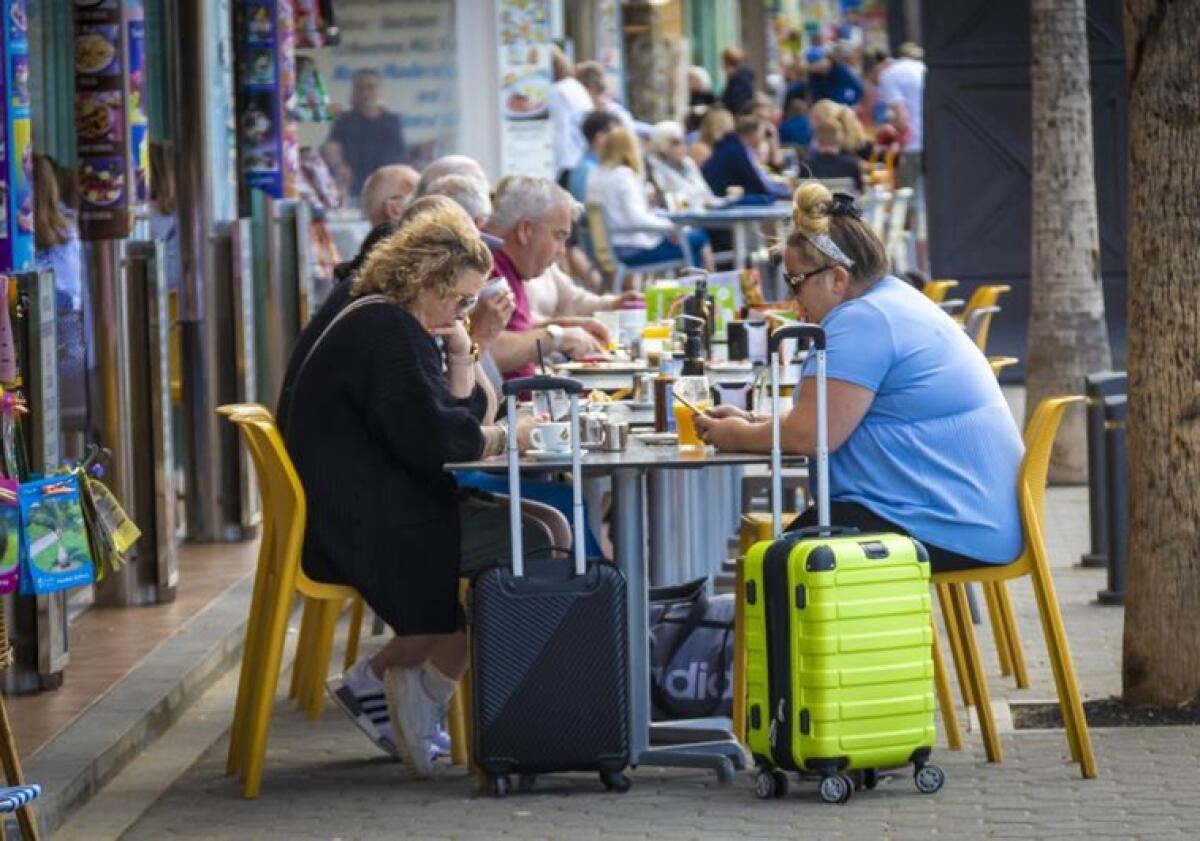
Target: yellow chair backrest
[(598, 234), (986, 295), (936, 290), (999, 363), (284, 504), (252, 409), (1039, 442)]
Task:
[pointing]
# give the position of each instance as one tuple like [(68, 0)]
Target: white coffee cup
[(551, 437)]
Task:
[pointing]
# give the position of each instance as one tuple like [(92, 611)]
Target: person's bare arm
[(847, 404)]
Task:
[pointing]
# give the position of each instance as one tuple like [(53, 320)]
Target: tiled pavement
[(323, 781)]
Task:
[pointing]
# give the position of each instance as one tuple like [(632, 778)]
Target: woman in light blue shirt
[(921, 439)]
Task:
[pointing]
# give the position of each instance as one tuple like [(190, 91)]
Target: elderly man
[(386, 192), (532, 220), (366, 137)]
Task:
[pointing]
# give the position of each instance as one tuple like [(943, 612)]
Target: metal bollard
[(1097, 387), (1117, 498)]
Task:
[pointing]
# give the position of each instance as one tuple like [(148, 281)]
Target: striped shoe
[(362, 698), (14, 797)]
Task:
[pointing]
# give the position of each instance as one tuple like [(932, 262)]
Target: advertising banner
[(16, 150), (526, 145), (266, 81), (109, 79)]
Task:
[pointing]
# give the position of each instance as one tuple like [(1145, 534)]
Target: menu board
[(109, 78), (526, 145), (16, 149), (267, 143)]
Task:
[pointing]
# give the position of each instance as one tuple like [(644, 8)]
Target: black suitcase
[(549, 649)]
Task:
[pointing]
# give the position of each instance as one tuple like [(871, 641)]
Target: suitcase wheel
[(836, 789), (615, 781), (929, 779), (770, 784), (500, 785)]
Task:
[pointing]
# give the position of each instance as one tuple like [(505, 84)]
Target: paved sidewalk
[(325, 781)]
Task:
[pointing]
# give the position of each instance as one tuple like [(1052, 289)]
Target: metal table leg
[(722, 755)]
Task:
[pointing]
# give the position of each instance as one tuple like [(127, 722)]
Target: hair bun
[(811, 204)]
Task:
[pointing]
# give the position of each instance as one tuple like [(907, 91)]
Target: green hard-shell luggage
[(839, 641)]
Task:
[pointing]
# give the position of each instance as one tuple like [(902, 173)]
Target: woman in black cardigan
[(376, 411)]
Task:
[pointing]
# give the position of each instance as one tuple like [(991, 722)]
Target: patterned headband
[(842, 206)]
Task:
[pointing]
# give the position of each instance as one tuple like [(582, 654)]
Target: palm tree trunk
[(1162, 616), (1068, 337)]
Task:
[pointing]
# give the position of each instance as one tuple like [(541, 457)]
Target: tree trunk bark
[(1068, 337), (1162, 614)]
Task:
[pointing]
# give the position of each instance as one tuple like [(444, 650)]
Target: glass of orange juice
[(694, 390)]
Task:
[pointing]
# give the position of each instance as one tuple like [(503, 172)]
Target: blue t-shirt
[(938, 451), (578, 180)]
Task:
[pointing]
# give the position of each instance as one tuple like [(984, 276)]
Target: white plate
[(657, 437), (546, 455)]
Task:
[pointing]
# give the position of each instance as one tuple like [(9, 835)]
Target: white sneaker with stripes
[(363, 699)]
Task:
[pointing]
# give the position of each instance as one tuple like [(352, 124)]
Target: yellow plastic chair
[(999, 363), (317, 627), (935, 290), (1035, 564), (279, 576)]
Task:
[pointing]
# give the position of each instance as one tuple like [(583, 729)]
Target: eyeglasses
[(795, 281), (465, 303)]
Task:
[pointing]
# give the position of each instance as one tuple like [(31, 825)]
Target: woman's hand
[(720, 432), (456, 339), (490, 316), (525, 425), (727, 411)]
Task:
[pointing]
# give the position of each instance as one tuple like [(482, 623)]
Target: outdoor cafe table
[(723, 373), (741, 219), (712, 745)]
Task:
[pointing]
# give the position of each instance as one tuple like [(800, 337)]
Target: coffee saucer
[(548, 455)]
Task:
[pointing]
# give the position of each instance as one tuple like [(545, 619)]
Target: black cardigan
[(371, 424)]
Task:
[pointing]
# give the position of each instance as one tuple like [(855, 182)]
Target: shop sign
[(16, 149), (110, 120), (526, 145), (266, 79)]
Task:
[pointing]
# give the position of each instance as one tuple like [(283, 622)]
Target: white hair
[(527, 197), (448, 165), (387, 182), (661, 134), (469, 192), (700, 74)]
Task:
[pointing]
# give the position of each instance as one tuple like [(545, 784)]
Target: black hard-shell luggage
[(549, 652)]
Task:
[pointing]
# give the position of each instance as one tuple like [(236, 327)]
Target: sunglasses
[(795, 281)]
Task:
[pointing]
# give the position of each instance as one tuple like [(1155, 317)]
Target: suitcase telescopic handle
[(813, 332), (543, 383), (574, 388), (816, 335)]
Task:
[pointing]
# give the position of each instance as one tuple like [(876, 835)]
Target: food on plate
[(95, 120), (101, 182), (527, 97), (598, 396), (93, 52)]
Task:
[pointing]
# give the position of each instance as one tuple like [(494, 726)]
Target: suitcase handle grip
[(798, 331), (543, 383), (826, 531)]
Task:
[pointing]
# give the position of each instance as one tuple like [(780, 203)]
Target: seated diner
[(921, 439)]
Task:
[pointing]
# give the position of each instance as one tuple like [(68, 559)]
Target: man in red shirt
[(532, 219)]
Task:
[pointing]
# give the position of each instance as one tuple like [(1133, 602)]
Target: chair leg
[(326, 626), (974, 664), (1015, 653), (999, 629), (458, 730), (247, 688), (739, 654), (304, 646), (12, 773), (353, 634), (259, 719), (946, 600), (1074, 720), (945, 697)]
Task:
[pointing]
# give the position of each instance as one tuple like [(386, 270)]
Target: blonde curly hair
[(429, 251), (815, 214)]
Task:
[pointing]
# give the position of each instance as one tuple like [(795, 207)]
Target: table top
[(737, 213), (607, 380), (637, 455)]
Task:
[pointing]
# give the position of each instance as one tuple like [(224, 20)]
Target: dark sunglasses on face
[(795, 281)]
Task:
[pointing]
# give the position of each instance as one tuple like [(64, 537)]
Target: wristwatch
[(556, 335)]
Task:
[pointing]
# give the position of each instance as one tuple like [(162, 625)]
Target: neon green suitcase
[(839, 644)]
